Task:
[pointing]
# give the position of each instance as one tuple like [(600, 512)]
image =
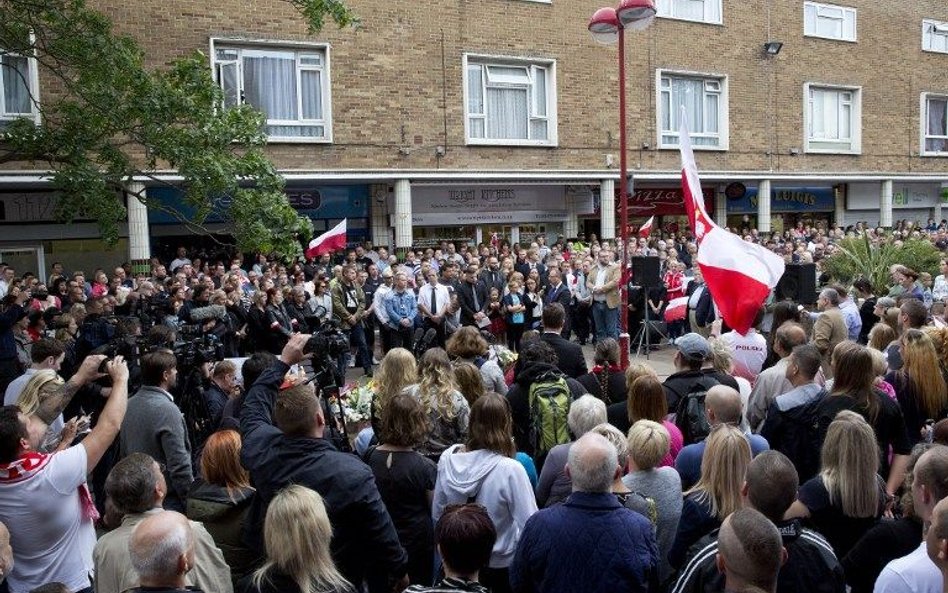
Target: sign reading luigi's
[(785, 199)]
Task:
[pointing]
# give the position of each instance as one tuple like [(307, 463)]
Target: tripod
[(644, 337)]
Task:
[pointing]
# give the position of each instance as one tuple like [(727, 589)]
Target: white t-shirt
[(915, 573), (51, 541), (749, 352)]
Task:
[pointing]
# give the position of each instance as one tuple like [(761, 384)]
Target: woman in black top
[(919, 384), (607, 380), (867, 310), (406, 480)]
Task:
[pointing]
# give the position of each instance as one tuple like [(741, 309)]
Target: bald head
[(930, 483), (593, 464), (789, 335), (750, 551), (723, 405), (162, 549)]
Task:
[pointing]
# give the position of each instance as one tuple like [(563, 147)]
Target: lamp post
[(607, 26)]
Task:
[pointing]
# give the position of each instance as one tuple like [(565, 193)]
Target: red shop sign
[(648, 202)]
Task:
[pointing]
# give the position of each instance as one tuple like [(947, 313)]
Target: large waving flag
[(332, 240), (739, 274)]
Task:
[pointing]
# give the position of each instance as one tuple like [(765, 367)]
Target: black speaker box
[(645, 271), (798, 284)]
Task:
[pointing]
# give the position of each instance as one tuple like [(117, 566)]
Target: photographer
[(97, 329), (283, 428)]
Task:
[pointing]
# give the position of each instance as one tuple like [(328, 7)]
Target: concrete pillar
[(607, 209), (139, 242), (885, 204), (571, 225), (936, 211), (514, 235), (839, 211), (381, 231), (720, 206), (403, 236), (763, 206)]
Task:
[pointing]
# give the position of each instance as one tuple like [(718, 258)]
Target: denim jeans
[(606, 321), (357, 339)]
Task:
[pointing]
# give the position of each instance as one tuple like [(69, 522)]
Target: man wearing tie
[(472, 295), (434, 302), (558, 292)]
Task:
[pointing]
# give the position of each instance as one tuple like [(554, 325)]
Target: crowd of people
[(165, 430)]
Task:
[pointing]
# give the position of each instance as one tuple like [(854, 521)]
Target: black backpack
[(803, 431), (690, 416)]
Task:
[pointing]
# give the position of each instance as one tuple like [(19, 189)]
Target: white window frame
[(723, 134), (820, 7), (932, 29), (666, 9), (300, 48), (923, 126), (32, 82), (531, 65), (855, 142)]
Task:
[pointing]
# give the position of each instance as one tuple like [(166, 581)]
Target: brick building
[(462, 119)]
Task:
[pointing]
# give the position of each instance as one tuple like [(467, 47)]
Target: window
[(702, 11), (18, 88), (289, 85), (833, 119), (705, 101), (934, 125), (829, 22), (935, 36), (510, 101)]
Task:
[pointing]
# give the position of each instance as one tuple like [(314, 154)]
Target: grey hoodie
[(497, 482)]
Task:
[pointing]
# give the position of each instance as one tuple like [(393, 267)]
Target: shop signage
[(459, 205), (662, 201), (30, 207), (786, 199)]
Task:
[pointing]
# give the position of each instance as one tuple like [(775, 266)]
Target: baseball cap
[(693, 346)]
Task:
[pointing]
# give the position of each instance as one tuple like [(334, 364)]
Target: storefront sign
[(661, 201), (458, 205), (917, 196), (30, 207), (786, 199), (315, 202)]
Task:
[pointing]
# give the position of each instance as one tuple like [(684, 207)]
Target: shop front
[(914, 202), (788, 206), (475, 214)]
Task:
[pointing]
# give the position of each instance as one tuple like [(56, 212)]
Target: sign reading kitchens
[(648, 202), (454, 205)]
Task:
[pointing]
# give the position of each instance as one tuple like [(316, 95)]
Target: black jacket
[(704, 309), (466, 292), (615, 384), (811, 565), (364, 541), (681, 383), (560, 294), (570, 355), (519, 397)]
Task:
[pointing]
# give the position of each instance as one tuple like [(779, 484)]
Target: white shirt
[(15, 388), (915, 573), (52, 542), (378, 303), (749, 351), (441, 294)]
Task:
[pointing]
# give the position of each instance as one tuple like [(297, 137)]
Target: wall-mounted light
[(772, 48)]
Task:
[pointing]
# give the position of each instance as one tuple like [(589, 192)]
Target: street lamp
[(607, 26)]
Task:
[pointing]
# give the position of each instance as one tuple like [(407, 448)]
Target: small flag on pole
[(646, 229), (739, 274), (332, 240)]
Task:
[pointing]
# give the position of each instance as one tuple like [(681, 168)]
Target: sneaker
[(352, 363)]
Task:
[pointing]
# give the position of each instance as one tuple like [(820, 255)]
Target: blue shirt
[(401, 305), (688, 462)]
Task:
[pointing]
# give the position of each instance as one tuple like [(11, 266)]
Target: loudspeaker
[(645, 271), (798, 284)]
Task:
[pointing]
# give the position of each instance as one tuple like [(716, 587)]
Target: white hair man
[(162, 552)]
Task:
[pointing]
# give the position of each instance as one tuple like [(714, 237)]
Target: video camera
[(194, 347)]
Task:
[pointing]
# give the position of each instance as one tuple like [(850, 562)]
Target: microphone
[(419, 335), (425, 342)]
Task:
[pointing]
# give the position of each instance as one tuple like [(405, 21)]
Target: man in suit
[(558, 292), (472, 294), (700, 306), (532, 262), (603, 282), (570, 356), (491, 275)]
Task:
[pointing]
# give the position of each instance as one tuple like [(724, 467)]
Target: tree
[(106, 119), (858, 257)]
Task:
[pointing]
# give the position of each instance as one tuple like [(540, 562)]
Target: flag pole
[(622, 254)]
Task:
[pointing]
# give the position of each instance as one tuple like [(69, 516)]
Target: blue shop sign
[(786, 199), (317, 202)]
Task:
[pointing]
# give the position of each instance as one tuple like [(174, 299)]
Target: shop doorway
[(25, 259), (496, 234)]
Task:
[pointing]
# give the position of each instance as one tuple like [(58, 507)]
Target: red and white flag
[(676, 309), (739, 274), (332, 240), (646, 229)]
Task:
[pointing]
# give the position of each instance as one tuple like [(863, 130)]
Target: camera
[(327, 340), (194, 347)]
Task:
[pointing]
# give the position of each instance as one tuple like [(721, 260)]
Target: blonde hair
[(722, 358), (723, 466), (40, 386), (922, 369), (296, 535), (849, 463), (436, 384), (649, 443), (635, 371), (396, 372), (618, 440), (879, 364), (881, 335)]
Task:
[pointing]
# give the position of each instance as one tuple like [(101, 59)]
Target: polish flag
[(739, 274), (332, 240), (676, 309), (646, 229)]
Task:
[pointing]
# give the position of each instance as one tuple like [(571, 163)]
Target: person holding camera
[(283, 425)]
